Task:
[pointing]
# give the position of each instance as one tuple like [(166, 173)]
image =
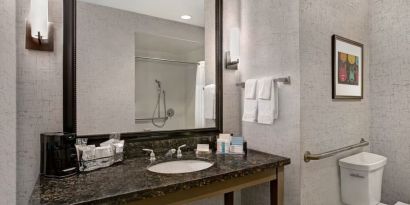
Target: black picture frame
[(70, 83), (335, 95)]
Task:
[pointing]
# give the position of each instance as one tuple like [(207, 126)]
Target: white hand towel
[(268, 110), (209, 104), (250, 110), (250, 88), (250, 104), (264, 88)]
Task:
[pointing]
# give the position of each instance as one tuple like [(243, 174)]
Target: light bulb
[(186, 17)]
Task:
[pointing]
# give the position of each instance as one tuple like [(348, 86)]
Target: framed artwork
[(347, 69)]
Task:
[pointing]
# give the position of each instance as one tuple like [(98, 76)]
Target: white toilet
[(361, 178)]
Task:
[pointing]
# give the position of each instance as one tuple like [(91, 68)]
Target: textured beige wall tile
[(390, 94), (328, 124), (8, 102)]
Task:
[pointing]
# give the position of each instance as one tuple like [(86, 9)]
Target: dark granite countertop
[(130, 180)]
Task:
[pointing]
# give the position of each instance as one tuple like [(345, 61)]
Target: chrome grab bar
[(150, 119), (309, 156)]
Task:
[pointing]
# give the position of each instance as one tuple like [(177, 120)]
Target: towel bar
[(284, 80), (309, 156)]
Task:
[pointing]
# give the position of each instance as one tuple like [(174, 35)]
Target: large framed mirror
[(142, 67)]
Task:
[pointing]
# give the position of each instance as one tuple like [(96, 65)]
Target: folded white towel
[(250, 88), (268, 110), (400, 203), (264, 88), (250, 110), (209, 101)]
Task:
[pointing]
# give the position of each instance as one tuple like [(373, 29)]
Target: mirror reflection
[(143, 67)]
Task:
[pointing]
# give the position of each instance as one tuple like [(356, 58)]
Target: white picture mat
[(343, 89)]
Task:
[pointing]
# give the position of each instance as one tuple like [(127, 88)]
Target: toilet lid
[(363, 161)]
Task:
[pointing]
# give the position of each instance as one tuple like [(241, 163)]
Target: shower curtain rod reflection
[(165, 60)]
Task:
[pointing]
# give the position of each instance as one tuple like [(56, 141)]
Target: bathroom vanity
[(131, 70), (131, 183)]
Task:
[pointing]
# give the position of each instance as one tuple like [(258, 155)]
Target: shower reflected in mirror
[(142, 68)]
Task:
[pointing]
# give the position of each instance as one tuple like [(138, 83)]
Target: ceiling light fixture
[(186, 17)]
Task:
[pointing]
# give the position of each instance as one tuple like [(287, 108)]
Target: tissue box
[(92, 158)]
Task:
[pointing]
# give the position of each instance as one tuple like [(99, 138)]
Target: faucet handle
[(170, 153), (152, 155), (179, 152)]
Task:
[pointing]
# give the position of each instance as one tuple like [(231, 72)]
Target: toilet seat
[(397, 203)]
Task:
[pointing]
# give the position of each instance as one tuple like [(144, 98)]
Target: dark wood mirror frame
[(69, 80)]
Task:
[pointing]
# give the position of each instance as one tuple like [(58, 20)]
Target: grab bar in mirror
[(284, 80), (309, 156), (165, 60), (149, 119)]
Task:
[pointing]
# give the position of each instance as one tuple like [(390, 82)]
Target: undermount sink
[(180, 166)]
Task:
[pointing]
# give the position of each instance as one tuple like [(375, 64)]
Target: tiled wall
[(328, 124), (39, 96), (270, 46), (231, 92), (8, 102), (390, 94)]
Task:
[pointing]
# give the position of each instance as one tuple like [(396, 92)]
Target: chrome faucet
[(152, 154), (179, 152), (170, 153)]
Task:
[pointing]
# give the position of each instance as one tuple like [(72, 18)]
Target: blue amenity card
[(237, 141)]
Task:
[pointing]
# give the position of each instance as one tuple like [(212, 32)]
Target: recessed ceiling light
[(186, 17)]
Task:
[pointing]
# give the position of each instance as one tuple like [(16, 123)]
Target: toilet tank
[(361, 178)]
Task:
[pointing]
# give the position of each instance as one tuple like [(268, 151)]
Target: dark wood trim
[(69, 67), (219, 63), (228, 198), (334, 59), (277, 187), (69, 80)]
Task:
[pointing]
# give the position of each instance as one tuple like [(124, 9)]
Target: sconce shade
[(38, 18), (234, 43)]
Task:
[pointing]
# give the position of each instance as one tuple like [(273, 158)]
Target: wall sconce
[(233, 53), (39, 32)]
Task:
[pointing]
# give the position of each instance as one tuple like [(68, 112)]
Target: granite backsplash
[(133, 147)]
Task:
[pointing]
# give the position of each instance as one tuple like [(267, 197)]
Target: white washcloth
[(400, 203), (250, 88), (209, 101), (268, 110), (264, 88)]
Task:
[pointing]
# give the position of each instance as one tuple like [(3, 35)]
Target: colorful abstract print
[(348, 69)]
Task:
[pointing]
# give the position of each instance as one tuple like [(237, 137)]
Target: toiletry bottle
[(219, 145), (227, 146), (245, 147)]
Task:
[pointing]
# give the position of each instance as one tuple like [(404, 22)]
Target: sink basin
[(180, 166)]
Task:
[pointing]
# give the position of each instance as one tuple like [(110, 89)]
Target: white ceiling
[(166, 9)]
